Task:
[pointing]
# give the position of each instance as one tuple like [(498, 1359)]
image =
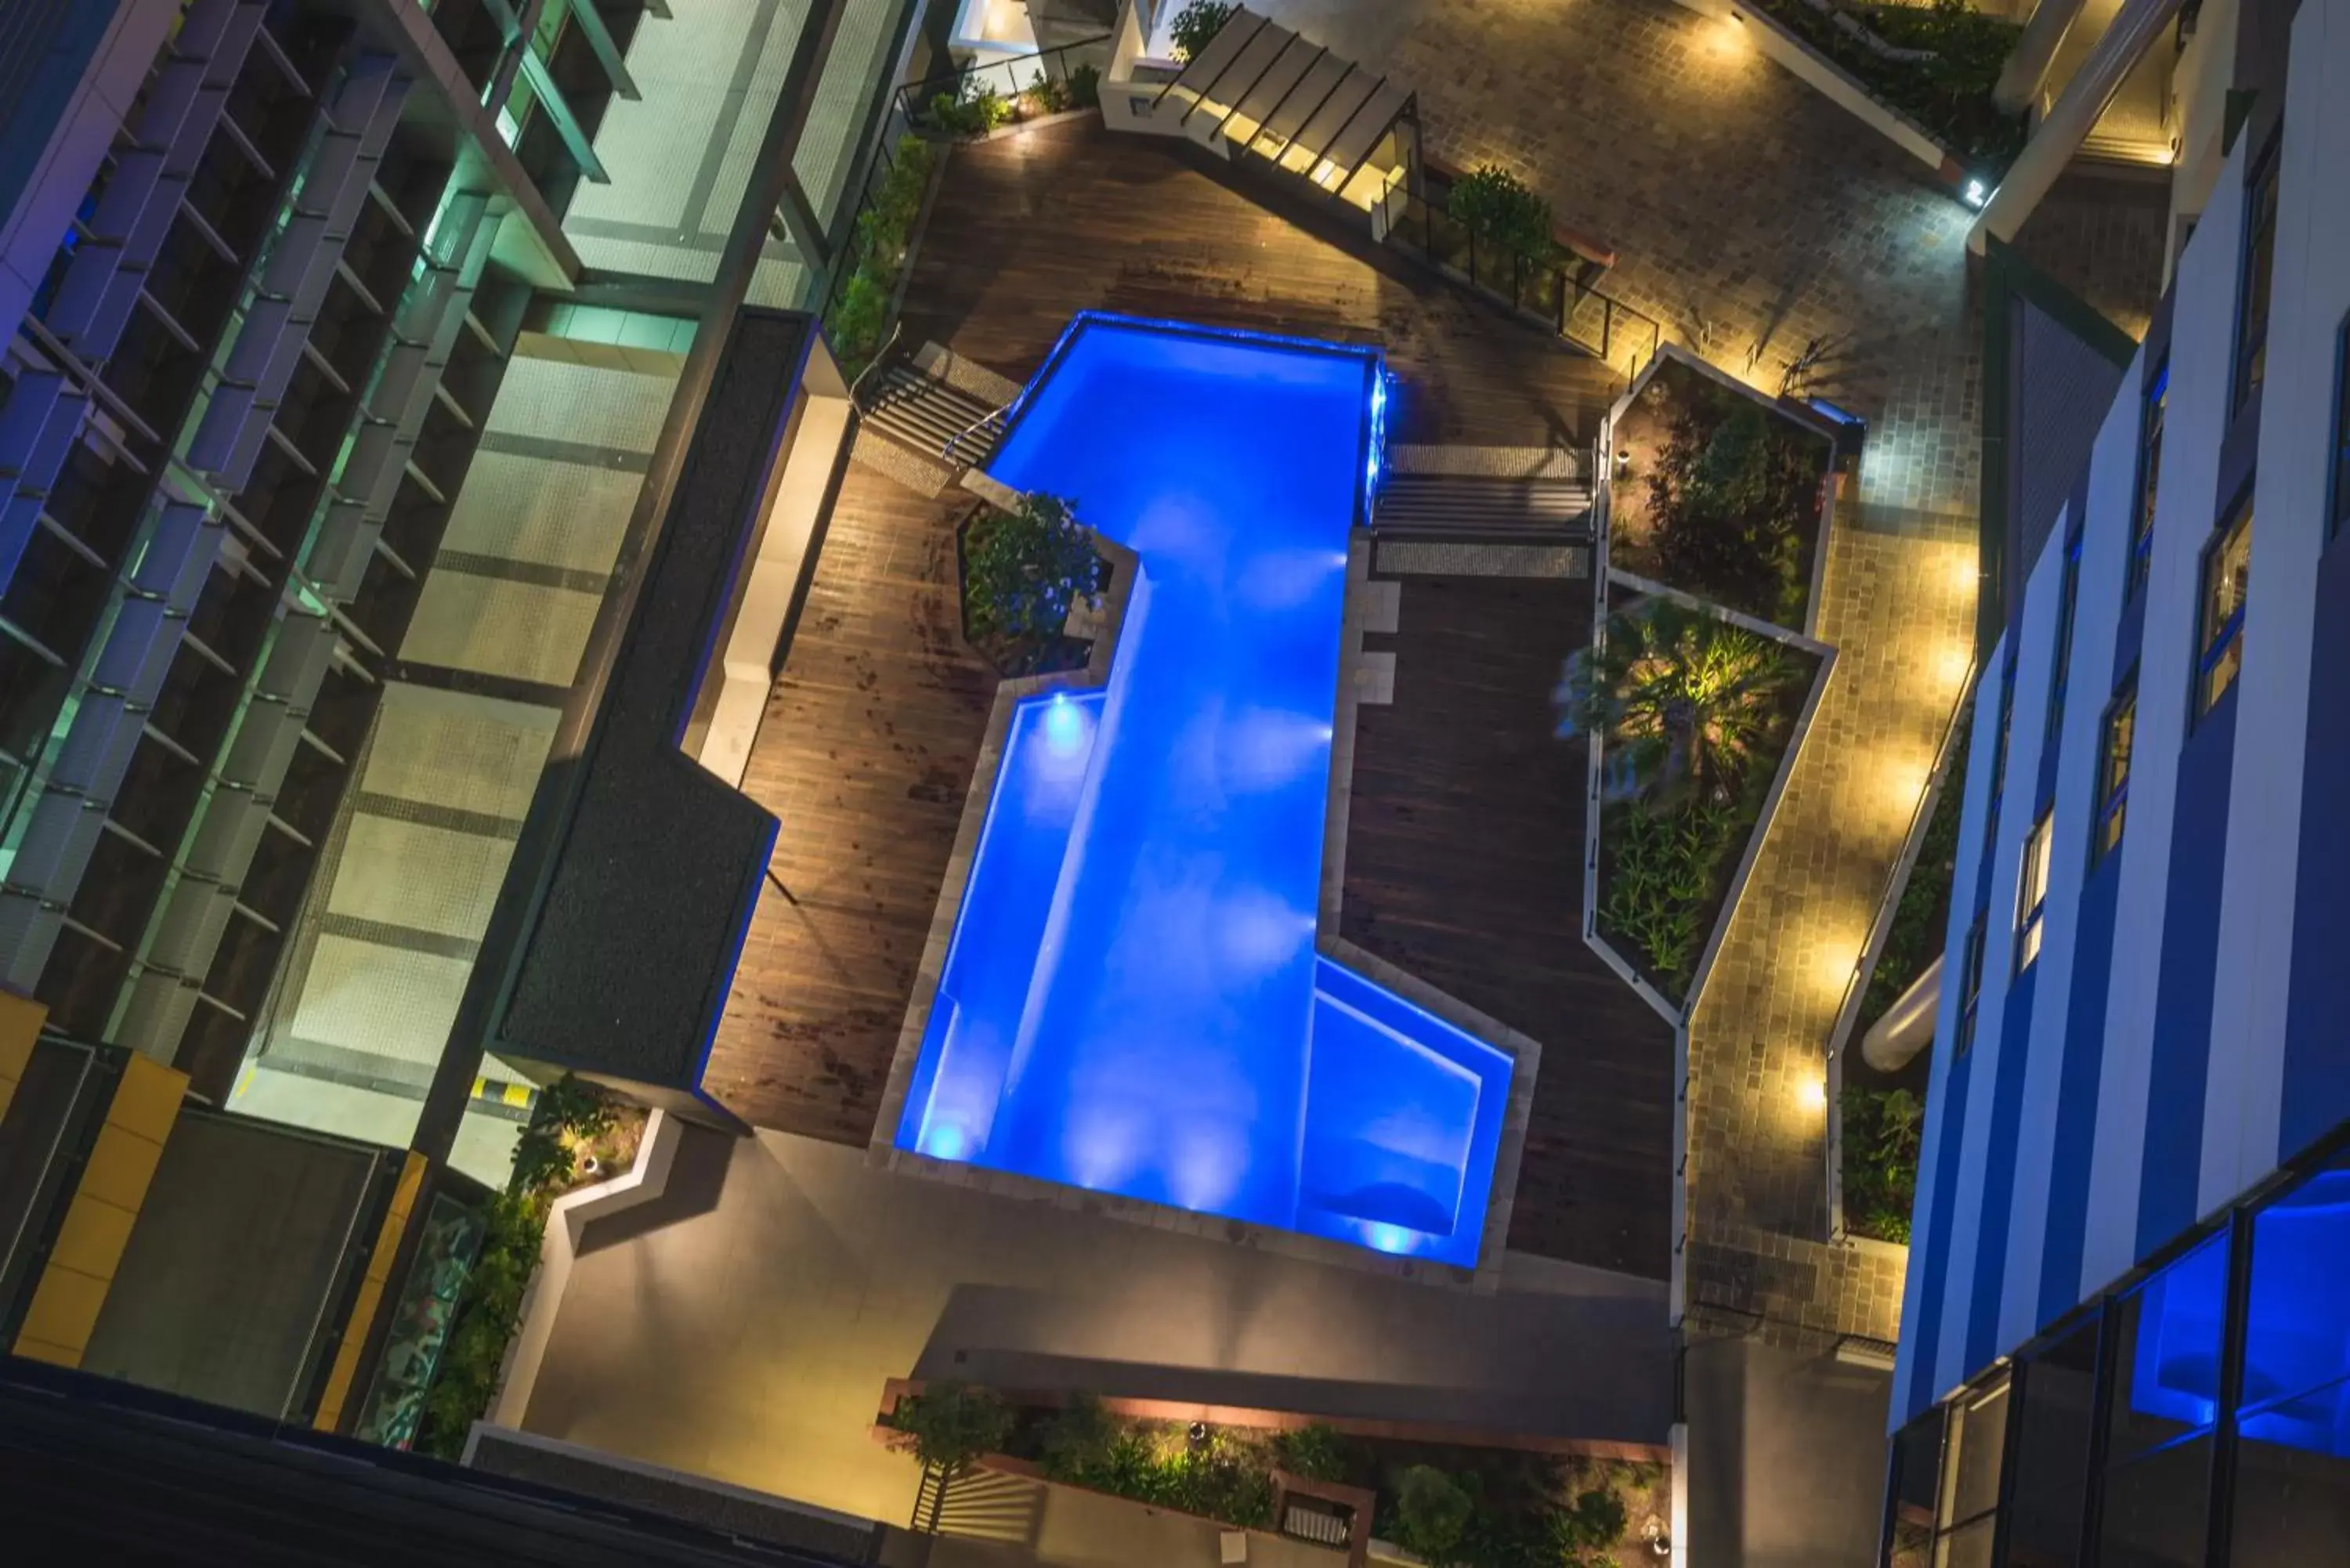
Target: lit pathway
[(1750, 216)]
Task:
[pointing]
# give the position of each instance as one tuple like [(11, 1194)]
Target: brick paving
[(1751, 216)]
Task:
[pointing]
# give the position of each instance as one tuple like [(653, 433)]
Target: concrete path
[(741, 1327)]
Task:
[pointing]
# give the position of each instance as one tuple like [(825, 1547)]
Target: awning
[(1285, 98)]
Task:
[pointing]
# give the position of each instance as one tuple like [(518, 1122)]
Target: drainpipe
[(1907, 1025), (2067, 125), (2035, 52)]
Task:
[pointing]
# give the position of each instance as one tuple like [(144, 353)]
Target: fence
[(1022, 87), (861, 299), (1559, 294)]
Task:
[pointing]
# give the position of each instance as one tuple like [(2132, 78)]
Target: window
[(2065, 608), (2293, 1474), (2252, 286), (2338, 484), (2149, 476), (1974, 1453), (2048, 1496), (2114, 765), (2220, 627), (2164, 1404), (2032, 892), (1917, 1479), (1971, 992)]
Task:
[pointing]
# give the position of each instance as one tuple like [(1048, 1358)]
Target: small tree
[(948, 1426), (1498, 205), (1079, 1439), (1315, 1452), (1432, 1511), (1683, 698), (1196, 23), (1024, 569)]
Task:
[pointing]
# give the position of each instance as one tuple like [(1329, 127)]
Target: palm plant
[(1681, 699)]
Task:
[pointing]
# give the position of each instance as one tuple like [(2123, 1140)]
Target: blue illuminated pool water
[(1132, 1002)]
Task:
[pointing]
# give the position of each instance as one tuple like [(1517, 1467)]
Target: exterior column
[(2035, 51)]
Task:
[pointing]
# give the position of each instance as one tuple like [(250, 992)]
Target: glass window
[(2292, 1468), (2157, 1511), (1999, 748), (2065, 613), (1917, 1483), (2227, 574), (2252, 286), (2114, 765), (2149, 475), (1973, 1455), (2032, 892), (2052, 1459), (2167, 1368), (2339, 484), (1972, 991)]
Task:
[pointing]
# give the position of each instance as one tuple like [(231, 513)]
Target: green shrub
[(1496, 204), (1432, 1513), (980, 109), (1085, 86), (489, 1307), (860, 311), (1315, 1452), (948, 1426), (1662, 869), (1048, 95), (1196, 23), (1024, 569), (1078, 1439), (1948, 96), (1734, 501), (1882, 1132)]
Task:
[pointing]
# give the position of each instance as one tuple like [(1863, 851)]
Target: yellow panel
[(370, 1297), (64, 1311), (20, 1025), (92, 1239), (146, 1101), (121, 1164), (42, 1350)]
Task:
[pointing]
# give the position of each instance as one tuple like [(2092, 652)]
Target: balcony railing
[(1557, 292), (1027, 85)]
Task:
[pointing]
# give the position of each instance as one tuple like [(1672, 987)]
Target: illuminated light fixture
[(1065, 727), (1813, 1093), (1976, 194), (1390, 1238)]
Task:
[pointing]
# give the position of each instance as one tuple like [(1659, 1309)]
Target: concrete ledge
[(567, 1225)]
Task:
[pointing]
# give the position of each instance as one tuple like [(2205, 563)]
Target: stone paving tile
[(1751, 216)]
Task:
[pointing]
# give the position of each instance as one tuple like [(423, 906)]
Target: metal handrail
[(913, 96), (874, 363), (956, 440)]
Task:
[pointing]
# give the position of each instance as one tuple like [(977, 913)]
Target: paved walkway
[(742, 1326), (1753, 216)]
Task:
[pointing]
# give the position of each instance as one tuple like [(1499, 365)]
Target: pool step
[(1457, 505), (926, 414)]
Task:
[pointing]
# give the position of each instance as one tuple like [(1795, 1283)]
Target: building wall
[(2179, 1034)]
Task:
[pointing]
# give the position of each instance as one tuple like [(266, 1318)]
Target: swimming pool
[(1132, 1000)]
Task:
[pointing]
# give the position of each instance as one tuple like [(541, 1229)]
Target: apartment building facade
[(2129, 1295), (359, 382)]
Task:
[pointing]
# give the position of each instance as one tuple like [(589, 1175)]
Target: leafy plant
[(1662, 867), (1196, 23), (1047, 95), (1315, 1452), (1085, 86), (1078, 1439), (977, 111), (1682, 699), (1883, 1130), (1949, 94), (948, 1426), (1921, 919), (1496, 204), (570, 1111), (860, 310), (1432, 1512), (1734, 499), (1024, 569)]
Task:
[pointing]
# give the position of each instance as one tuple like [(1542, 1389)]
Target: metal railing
[(859, 340), (1560, 294), (1027, 85)]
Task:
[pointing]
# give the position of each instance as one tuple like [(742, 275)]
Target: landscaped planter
[(1520, 1484), (1047, 653)]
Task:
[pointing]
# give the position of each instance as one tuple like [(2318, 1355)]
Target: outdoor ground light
[(1976, 194)]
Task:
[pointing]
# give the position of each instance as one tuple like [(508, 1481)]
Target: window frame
[(2153, 409), (1970, 968), (2112, 802), (2031, 880), (2247, 367), (2213, 644)]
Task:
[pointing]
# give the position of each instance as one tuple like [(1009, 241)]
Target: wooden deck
[(1030, 229), (1464, 867), (1467, 830)]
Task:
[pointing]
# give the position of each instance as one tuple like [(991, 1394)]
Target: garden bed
[(1532, 1505), (1024, 582), (1947, 95), (1720, 493), (1671, 849), (880, 245)]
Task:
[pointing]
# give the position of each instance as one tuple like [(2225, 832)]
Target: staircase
[(926, 415), (1478, 507)]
